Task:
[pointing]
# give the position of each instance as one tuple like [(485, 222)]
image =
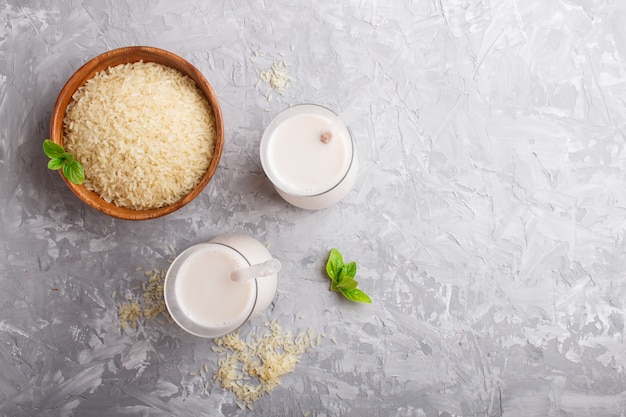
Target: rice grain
[(143, 132)]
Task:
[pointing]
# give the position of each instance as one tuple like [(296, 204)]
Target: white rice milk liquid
[(205, 292), (299, 163)]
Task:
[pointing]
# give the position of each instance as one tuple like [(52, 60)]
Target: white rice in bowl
[(143, 132)]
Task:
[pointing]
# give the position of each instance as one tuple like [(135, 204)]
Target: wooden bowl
[(130, 55)]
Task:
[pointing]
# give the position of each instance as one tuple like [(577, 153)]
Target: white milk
[(205, 292), (300, 162), (200, 294), (306, 171), (255, 253)]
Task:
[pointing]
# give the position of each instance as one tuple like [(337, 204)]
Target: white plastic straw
[(264, 269)]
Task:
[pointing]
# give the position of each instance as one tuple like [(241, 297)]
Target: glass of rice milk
[(200, 294), (309, 156)]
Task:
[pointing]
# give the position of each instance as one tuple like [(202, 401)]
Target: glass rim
[(284, 115), (182, 321)]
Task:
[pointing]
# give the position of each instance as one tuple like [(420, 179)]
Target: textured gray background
[(487, 219)]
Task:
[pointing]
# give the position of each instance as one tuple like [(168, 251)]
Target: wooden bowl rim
[(131, 54)]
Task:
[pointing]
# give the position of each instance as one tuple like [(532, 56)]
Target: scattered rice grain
[(251, 370), (150, 306), (129, 314), (277, 76)]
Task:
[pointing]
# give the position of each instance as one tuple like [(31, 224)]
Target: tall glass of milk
[(200, 294), (309, 156)]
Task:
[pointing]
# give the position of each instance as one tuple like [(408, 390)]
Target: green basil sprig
[(342, 278), (59, 159)]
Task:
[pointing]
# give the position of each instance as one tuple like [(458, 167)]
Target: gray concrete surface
[(488, 217)]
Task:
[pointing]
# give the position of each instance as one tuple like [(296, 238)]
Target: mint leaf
[(59, 159), (55, 163), (342, 278), (346, 284), (52, 150), (348, 270), (74, 172), (334, 264), (356, 295), (69, 158)]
